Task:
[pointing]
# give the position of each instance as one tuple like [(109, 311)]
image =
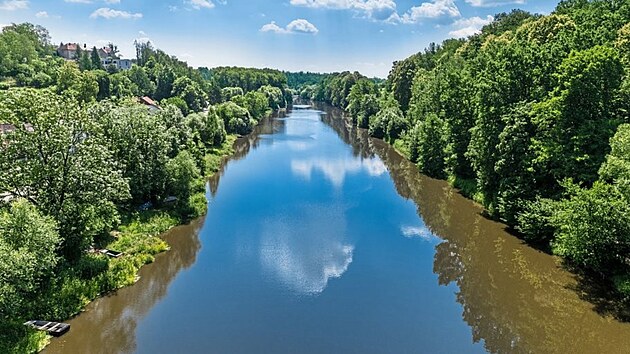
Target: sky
[(294, 35)]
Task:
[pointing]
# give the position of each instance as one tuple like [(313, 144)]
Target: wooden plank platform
[(111, 253), (53, 328)]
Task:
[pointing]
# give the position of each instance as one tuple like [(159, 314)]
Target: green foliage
[(95, 59), (514, 163), (81, 85), (534, 221), (389, 122), (593, 227), (15, 338), (616, 168), (508, 114), (275, 96), (245, 78), (335, 88), (177, 132), (191, 93), (28, 245), (575, 125), (176, 102), (428, 145), (363, 102), (139, 144), (257, 103), (144, 86), (183, 177), (61, 165), (622, 285), (236, 118), (228, 92), (208, 126), (300, 80), (215, 155), (21, 45)]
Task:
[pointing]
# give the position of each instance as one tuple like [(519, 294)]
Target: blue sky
[(315, 35)]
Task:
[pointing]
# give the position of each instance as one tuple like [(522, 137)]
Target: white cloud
[(198, 4), (296, 26), (272, 27), (111, 2), (374, 9), (42, 14), (144, 37), (11, 5), (467, 27), (108, 13), (430, 10), (386, 10), (301, 26), (492, 3)]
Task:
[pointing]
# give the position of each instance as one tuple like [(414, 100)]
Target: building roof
[(148, 101), (104, 52), (69, 46)]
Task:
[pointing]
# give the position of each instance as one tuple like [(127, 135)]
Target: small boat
[(169, 200), (301, 106), (53, 328), (111, 253)]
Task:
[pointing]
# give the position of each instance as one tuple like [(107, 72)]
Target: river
[(319, 239)]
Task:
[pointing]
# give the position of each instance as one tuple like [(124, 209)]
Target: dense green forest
[(85, 166), (529, 117)]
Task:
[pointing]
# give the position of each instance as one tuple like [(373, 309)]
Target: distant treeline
[(529, 117), (299, 80)]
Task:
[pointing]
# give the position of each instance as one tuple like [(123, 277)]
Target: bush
[(622, 285), (91, 265), (593, 227), (535, 222), (236, 118)]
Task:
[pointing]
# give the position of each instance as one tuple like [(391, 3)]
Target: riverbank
[(96, 275)]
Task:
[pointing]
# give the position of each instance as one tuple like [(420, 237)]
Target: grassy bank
[(215, 156), (75, 285)]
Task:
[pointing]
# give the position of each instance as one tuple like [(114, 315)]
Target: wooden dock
[(53, 328), (111, 253)]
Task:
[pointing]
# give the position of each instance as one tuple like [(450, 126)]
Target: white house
[(108, 58), (120, 64)]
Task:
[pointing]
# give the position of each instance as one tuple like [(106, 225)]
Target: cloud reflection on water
[(304, 253), (335, 170), (418, 232)]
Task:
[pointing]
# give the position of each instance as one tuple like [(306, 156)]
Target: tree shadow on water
[(600, 292)]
